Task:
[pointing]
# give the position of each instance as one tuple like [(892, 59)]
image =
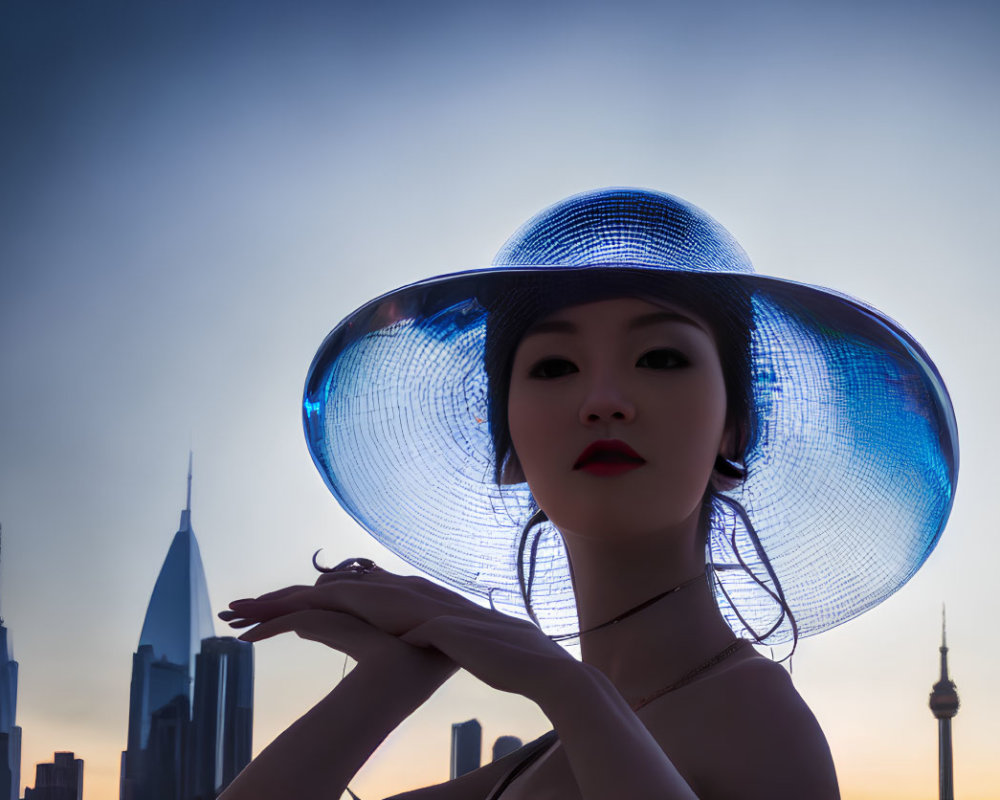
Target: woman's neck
[(667, 638)]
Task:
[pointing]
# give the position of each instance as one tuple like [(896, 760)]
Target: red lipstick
[(607, 458)]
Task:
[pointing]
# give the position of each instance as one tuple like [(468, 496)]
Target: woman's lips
[(608, 457)]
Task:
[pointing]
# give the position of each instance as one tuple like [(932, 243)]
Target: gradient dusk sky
[(193, 194)]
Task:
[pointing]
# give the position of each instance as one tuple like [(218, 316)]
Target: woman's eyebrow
[(636, 323), (657, 317), (550, 326)]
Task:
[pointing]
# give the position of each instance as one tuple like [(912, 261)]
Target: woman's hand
[(508, 654), (321, 751), (292, 610), (389, 623)]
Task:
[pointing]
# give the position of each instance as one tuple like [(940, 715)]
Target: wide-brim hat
[(850, 476)]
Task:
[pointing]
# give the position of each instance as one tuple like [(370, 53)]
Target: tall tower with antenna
[(944, 706), (10, 733), (191, 699), (178, 617)]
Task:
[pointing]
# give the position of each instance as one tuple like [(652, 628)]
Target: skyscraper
[(60, 780), (185, 741), (505, 745), (466, 747), (944, 706), (10, 733), (223, 711)]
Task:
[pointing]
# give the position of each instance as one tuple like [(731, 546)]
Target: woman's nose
[(606, 401)]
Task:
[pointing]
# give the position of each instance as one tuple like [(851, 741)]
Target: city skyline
[(196, 194), (466, 737)]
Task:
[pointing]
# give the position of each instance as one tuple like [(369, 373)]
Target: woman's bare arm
[(611, 753), (320, 752)]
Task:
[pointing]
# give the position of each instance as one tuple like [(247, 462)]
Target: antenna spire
[(190, 462), (1, 559), (944, 648)]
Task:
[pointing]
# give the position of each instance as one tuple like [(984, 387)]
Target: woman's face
[(617, 411)]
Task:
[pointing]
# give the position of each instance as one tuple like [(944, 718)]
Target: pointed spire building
[(944, 706), (179, 614), (190, 714)]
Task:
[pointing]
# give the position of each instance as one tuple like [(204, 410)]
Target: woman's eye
[(552, 368), (662, 358)]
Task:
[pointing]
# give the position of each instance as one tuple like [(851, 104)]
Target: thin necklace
[(687, 677), (562, 637)]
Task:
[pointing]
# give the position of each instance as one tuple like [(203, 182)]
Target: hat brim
[(850, 480)]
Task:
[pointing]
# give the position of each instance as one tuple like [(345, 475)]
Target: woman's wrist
[(420, 669), (319, 753), (569, 684)]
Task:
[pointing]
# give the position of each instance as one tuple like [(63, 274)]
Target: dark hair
[(721, 301)]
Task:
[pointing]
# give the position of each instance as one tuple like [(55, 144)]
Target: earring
[(730, 469)]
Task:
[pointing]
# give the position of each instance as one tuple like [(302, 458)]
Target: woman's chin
[(617, 528)]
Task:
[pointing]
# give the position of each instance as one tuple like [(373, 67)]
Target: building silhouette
[(466, 747), (60, 780), (189, 728), (944, 706), (10, 733), (505, 745), (223, 710)]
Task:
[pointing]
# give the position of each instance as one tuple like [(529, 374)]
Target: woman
[(623, 434)]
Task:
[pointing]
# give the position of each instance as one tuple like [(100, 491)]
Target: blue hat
[(850, 476)]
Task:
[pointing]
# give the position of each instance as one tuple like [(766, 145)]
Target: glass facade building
[(223, 709), (191, 697), (466, 747), (60, 780), (10, 733)]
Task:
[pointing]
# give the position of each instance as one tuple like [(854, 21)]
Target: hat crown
[(625, 227)]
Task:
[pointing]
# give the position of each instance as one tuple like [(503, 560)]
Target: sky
[(194, 194)]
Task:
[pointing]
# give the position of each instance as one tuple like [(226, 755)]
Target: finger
[(269, 596), (389, 606), (339, 631), (238, 621), (274, 604), (263, 630), (394, 604), (342, 586), (288, 623)]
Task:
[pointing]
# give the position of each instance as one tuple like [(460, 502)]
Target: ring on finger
[(358, 566)]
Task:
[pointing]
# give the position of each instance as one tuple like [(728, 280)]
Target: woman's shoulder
[(749, 714)]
